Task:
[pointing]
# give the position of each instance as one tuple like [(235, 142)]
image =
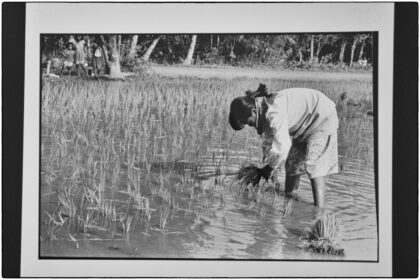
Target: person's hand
[(265, 172)]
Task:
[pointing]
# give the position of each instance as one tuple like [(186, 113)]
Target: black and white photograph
[(207, 140), (208, 146)]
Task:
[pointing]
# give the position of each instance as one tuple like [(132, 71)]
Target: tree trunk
[(232, 55), (353, 47), (361, 50), (342, 50), (188, 59), (104, 48), (89, 51), (312, 49), (318, 50), (300, 56), (113, 60), (150, 49), (119, 44), (48, 67), (218, 41), (211, 42), (132, 53)]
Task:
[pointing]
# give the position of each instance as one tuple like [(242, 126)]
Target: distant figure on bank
[(80, 55), (98, 62), (68, 54), (363, 62), (299, 126)]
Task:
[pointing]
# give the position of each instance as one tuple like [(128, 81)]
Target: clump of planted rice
[(322, 235), (248, 175)]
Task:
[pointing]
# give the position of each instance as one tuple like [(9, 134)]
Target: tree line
[(345, 50)]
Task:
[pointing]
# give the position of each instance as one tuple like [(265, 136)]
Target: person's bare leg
[(292, 184), (84, 69), (318, 191)]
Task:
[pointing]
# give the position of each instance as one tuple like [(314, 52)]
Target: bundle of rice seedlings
[(325, 227), (322, 234), (248, 175), (288, 206)]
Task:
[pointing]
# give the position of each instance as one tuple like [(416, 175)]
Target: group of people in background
[(90, 61)]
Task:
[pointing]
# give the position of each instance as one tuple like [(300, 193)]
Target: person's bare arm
[(277, 147)]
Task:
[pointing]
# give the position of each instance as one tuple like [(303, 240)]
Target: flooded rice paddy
[(95, 205)]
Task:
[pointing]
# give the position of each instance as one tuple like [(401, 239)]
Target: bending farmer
[(299, 126)]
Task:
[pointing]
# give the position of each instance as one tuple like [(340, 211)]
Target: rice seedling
[(164, 214), (165, 194), (248, 176), (107, 209), (143, 205), (125, 222), (288, 206), (88, 221), (91, 196), (67, 205), (52, 226), (322, 235), (325, 227), (74, 240), (53, 221), (116, 174)]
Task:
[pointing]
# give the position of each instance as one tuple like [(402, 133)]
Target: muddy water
[(218, 221)]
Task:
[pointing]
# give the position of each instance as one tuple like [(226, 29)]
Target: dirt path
[(235, 72)]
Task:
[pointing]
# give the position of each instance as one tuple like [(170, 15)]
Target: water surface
[(214, 219)]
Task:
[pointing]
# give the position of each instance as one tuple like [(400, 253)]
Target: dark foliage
[(305, 51)]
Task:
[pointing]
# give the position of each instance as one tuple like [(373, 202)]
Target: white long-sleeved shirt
[(295, 114)]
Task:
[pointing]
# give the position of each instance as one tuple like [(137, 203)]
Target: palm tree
[(342, 49), (188, 59), (364, 38), (132, 52), (150, 49)]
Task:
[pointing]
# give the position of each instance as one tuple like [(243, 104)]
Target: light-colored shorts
[(317, 156), (68, 63)]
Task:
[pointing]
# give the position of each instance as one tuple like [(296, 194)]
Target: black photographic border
[(405, 138), (405, 142)]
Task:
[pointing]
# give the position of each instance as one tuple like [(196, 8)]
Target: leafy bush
[(135, 65)]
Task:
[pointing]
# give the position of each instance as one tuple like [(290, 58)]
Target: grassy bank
[(230, 72)]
